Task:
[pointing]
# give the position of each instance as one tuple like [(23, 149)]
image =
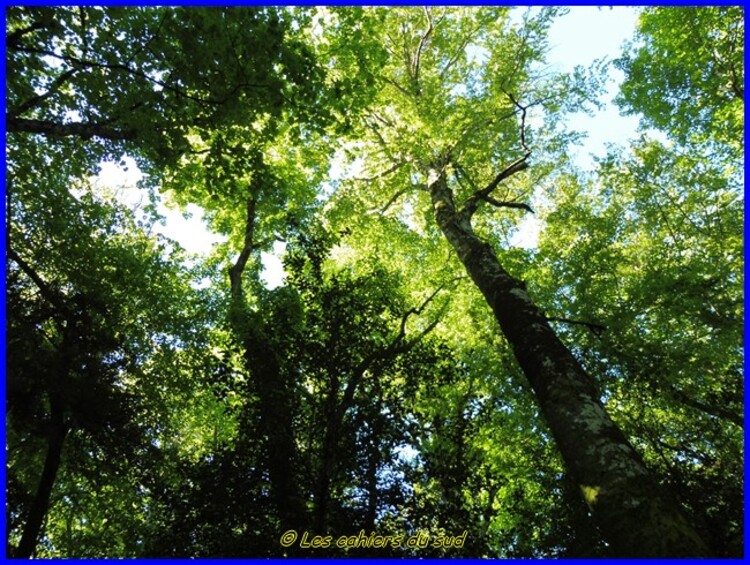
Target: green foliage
[(375, 367), (654, 253), (685, 73), (651, 247)]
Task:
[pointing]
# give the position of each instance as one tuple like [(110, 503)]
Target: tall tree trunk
[(274, 394), (276, 425), (40, 504), (636, 517)]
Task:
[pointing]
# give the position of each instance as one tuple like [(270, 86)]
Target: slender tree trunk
[(40, 503), (328, 460), (636, 517), (274, 394)]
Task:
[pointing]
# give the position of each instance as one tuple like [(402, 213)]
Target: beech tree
[(439, 110)]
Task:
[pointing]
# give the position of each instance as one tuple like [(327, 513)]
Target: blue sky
[(586, 34)]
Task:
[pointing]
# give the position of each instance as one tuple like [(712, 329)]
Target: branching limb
[(507, 204), (400, 88), (460, 51), (37, 100), (385, 173), (384, 145), (395, 197), (397, 346), (476, 125), (418, 310), (382, 120), (422, 43), (83, 63), (83, 130), (49, 294), (518, 165), (470, 206), (13, 39), (523, 123)]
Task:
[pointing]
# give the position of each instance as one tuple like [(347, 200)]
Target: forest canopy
[(417, 385)]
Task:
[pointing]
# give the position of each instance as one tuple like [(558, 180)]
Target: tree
[(370, 392), (666, 346), (658, 264), (83, 298), (102, 84), (685, 74), (436, 111)]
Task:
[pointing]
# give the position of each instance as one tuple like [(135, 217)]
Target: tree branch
[(422, 43), (596, 329), (385, 173), (12, 39), (397, 85), (417, 311), (77, 62), (460, 51), (235, 272), (470, 206), (507, 204), (397, 346), (523, 122), (395, 197), (54, 129), (37, 100), (45, 290)]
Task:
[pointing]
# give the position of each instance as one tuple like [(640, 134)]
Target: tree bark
[(276, 416), (634, 514), (276, 425), (82, 130), (40, 504)]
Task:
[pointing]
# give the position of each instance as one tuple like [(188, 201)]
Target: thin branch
[(507, 204), (515, 167), (461, 49), (147, 44), (417, 311), (383, 120), (520, 58), (37, 100), (385, 173), (460, 172), (396, 347), (386, 147), (596, 329), (475, 125), (408, 60), (523, 122), (134, 72), (395, 197), (397, 85), (422, 43)]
